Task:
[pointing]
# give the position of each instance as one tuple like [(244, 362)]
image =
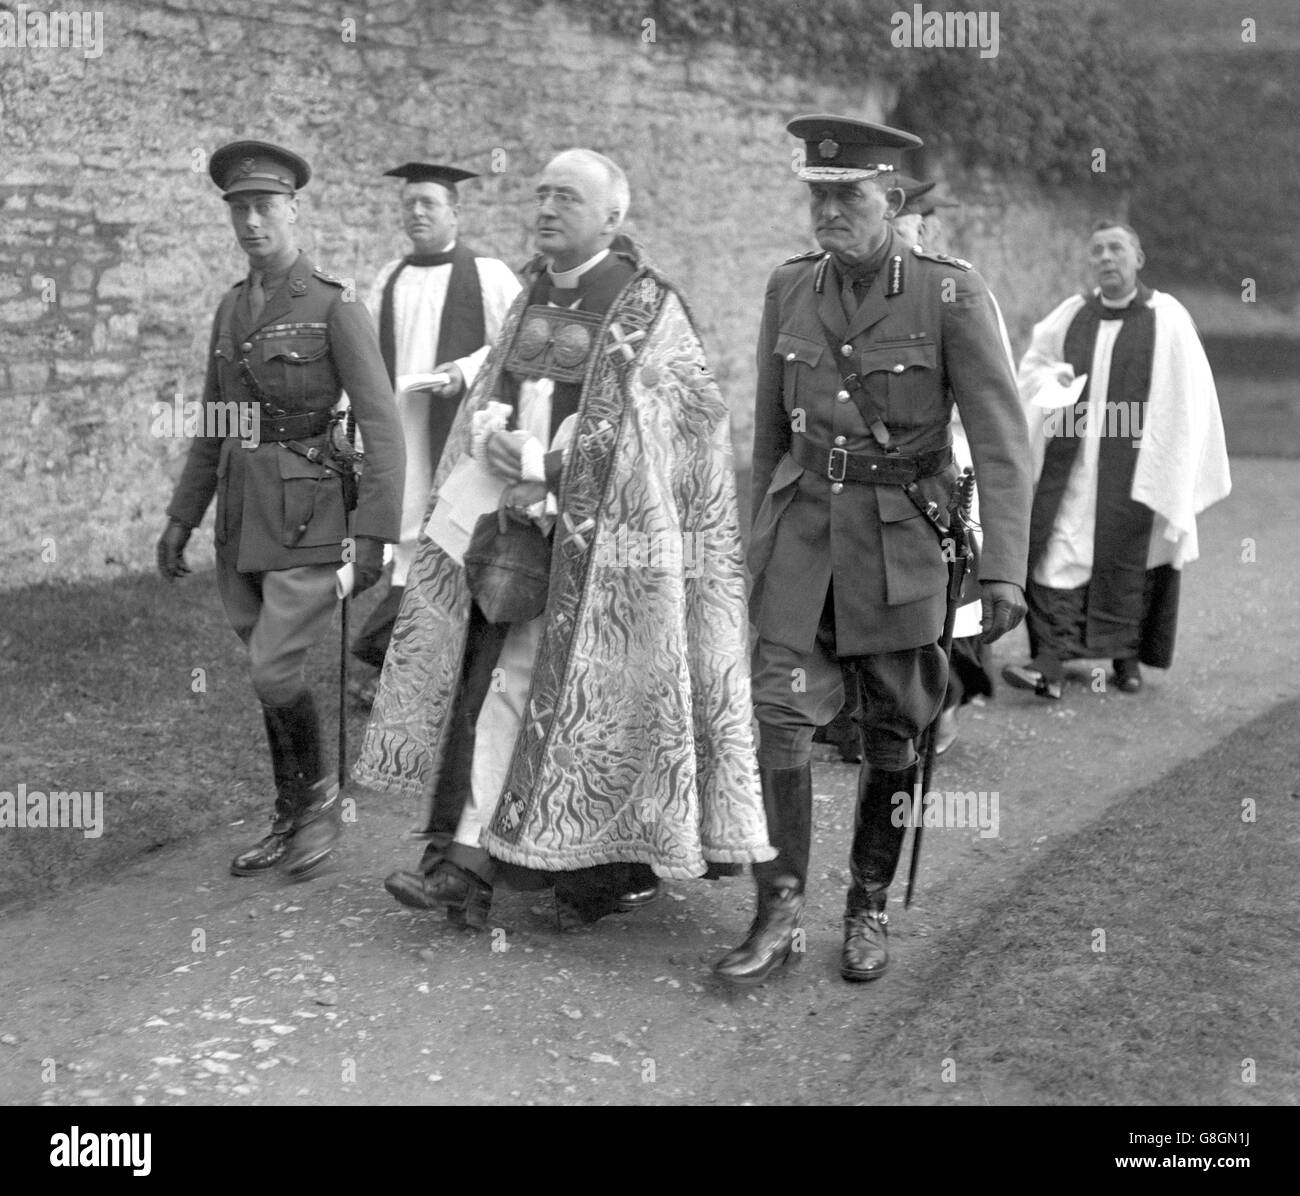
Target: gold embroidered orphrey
[(553, 342)]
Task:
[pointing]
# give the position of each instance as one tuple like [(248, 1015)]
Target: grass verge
[(1195, 998), (140, 690)]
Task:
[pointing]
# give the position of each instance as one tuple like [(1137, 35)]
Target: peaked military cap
[(838, 149), (427, 172), (257, 166)]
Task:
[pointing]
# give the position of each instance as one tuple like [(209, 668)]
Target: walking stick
[(957, 542), (342, 438), (343, 682)]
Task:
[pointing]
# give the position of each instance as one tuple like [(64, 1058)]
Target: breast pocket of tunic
[(296, 369), (908, 372), (800, 357), (313, 502)]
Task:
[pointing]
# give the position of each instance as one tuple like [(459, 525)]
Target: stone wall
[(115, 247)]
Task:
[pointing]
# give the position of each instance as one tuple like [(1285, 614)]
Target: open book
[(422, 381)]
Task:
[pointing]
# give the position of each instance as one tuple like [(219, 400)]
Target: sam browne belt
[(880, 469)]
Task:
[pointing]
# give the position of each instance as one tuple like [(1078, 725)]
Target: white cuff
[(532, 461), (470, 366), (482, 425)]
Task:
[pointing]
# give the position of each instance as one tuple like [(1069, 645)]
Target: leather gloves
[(171, 550)]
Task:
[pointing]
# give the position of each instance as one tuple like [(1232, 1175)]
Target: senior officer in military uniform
[(285, 342), (865, 345)]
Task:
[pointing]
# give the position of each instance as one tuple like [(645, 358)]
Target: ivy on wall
[(1160, 100), (1066, 79)]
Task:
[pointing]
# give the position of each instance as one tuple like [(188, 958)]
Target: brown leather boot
[(775, 937)]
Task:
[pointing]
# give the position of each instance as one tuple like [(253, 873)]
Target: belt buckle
[(843, 465)]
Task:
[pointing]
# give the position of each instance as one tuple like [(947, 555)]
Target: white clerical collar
[(566, 280), (1118, 302)]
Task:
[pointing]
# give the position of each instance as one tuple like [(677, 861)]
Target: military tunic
[(924, 336), (311, 341)]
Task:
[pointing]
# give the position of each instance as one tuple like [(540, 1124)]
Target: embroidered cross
[(623, 342), (575, 532)]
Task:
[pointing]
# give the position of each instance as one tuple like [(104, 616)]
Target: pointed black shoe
[(1027, 677), (640, 888), (409, 888), (1128, 676), (467, 898), (585, 895)]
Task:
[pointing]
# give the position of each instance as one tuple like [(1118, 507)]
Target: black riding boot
[(772, 938), (316, 825), (873, 859), (281, 723)]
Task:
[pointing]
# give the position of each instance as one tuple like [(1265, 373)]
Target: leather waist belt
[(300, 426), (880, 469)]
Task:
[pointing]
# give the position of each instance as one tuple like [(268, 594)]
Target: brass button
[(846, 350), (898, 369), (790, 357), (841, 440), (246, 347), (842, 396), (836, 487)]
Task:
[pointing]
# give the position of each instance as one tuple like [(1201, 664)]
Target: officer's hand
[(504, 450), (171, 550), (1003, 604), (454, 387), (369, 563), (518, 498)]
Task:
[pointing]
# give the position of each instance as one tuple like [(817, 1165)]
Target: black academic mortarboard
[(838, 149), (258, 166), (427, 172), (923, 201)]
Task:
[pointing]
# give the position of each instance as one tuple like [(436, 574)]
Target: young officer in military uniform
[(864, 347), (285, 342)]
